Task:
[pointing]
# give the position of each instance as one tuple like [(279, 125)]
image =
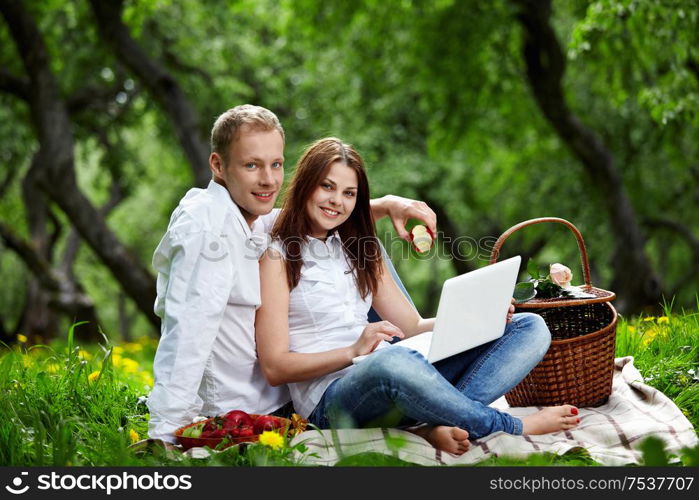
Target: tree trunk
[(39, 322), (124, 318), (635, 280), (160, 83), (50, 292), (53, 165)]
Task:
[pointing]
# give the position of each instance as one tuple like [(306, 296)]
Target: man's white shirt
[(208, 290)]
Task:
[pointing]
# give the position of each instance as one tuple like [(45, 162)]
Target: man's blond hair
[(228, 124)]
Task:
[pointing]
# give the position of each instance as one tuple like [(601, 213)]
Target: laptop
[(472, 311)]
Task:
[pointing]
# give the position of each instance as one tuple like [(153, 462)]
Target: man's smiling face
[(253, 171)]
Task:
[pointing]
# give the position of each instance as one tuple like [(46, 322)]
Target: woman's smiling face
[(333, 200)]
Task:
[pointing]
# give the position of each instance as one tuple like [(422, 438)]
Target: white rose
[(560, 275)]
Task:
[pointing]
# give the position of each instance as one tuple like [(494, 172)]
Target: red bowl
[(190, 442)]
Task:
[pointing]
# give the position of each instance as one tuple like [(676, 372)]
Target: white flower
[(560, 275)]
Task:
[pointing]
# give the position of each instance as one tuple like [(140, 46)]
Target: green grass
[(67, 405)]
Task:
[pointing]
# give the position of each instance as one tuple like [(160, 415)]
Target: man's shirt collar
[(221, 194)]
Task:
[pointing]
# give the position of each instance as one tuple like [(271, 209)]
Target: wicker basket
[(578, 367)]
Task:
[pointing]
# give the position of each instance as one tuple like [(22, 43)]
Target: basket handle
[(581, 243)]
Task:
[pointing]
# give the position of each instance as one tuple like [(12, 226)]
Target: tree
[(52, 169), (636, 281)]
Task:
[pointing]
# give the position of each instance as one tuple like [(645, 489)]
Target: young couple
[(236, 335)]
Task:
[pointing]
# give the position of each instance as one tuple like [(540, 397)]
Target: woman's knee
[(533, 330), (393, 363)]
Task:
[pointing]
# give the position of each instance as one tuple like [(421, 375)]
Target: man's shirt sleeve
[(198, 277)]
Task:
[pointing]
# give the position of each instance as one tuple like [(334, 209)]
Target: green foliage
[(524, 291), (659, 77), (666, 352), (433, 95), (576, 457), (654, 452), (372, 459)]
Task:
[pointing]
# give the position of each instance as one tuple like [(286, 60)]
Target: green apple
[(193, 432)]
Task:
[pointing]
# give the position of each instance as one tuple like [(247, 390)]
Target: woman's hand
[(511, 310), (372, 336)]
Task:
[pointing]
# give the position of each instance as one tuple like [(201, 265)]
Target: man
[(208, 277)]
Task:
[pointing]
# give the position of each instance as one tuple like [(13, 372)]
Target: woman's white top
[(326, 312)]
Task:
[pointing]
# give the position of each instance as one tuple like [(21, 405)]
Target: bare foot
[(551, 419), (450, 439)]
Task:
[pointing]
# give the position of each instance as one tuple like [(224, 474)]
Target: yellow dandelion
[(272, 439), (652, 333), (84, 354), (117, 349), (93, 376), (147, 378), (147, 341), (26, 361), (631, 329), (133, 347), (21, 338), (133, 436), (649, 318), (128, 365), (52, 368), (116, 360), (663, 319)]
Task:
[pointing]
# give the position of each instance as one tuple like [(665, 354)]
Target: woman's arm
[(281, 366), (390, 303)]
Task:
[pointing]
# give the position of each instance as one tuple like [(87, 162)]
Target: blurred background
[(492, 112)]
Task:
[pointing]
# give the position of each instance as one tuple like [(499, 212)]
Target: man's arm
[(400, 210), (195, 300)]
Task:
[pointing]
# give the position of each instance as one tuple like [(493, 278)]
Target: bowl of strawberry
[(234, 427)]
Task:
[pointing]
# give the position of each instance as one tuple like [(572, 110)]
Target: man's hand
[(511, 310), (400, 210)]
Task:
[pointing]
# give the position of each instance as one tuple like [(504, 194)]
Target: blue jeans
[(456, 391)]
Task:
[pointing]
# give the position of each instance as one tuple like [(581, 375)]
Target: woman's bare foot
[(450, 439), (551, 419)]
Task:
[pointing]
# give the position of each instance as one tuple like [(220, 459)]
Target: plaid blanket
[(610, 433)]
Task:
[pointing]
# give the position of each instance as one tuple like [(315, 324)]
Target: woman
[(322, 273)]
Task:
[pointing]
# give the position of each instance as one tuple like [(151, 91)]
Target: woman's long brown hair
[(357, 232)]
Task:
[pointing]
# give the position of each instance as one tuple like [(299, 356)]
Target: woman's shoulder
[(276, 248)]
